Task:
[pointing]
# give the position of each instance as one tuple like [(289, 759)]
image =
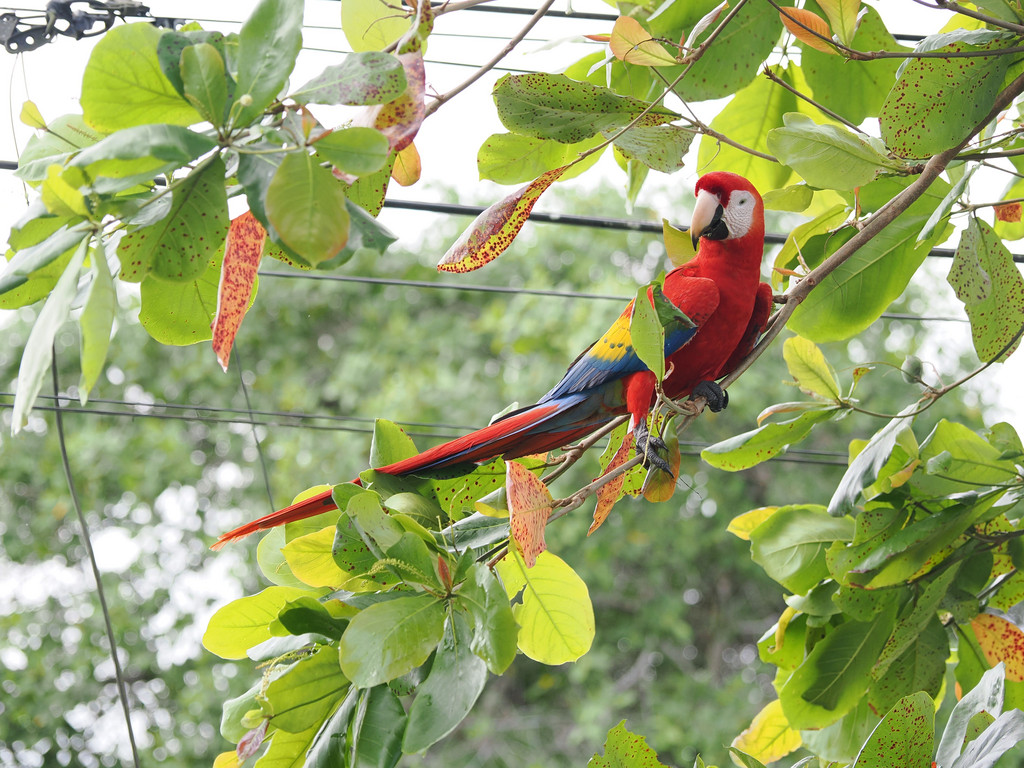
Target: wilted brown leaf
[(1009, 212)]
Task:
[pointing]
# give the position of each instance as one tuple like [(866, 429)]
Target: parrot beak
[(707, 218)]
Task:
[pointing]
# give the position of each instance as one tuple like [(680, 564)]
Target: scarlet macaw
[(719, 290)]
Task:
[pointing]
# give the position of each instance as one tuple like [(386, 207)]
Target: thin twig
[(982, 17), (821, 107), (122, 688)]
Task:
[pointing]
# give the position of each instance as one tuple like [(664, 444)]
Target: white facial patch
[(739, 213)]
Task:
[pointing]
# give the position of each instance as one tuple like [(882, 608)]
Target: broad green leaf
[(856, 293), (827, 156), (443, 700), (234, 711), (311, 559), (494, 627), (512, 158), (741, 525), (371, 25), (792, 251), (306, 206), (96, 322), (807, 364), (937, 102), (49, 254), (268, 44), (307, 692), (180, 247), (914, 619), (38, 353), (124, 86), (355, 151), (990, 285), (181, 313), (836, 673), (854, 89), (647, 334), (390, 444), (841, 741), (136, 155), (795, 198), (494, 230), (555, 107), (623, 749), (758, 445), (61, 196), (386, 640), (768, 737), (477, 530), (969, 461), (377, 729), (790, 545), (556, 619), (920, 668), (734, 57), (286, 750), (307, 615), (986, 696), (747, 119), (904, 737), (355, 559), (659, 147), (66, 135), (371, 77), (205, 81), (244, 623)]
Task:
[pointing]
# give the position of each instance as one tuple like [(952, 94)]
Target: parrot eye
[(739, 213)]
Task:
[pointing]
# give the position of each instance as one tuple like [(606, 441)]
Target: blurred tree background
[(679, 605)]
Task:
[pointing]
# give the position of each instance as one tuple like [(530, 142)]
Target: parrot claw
[(716, 397), (650, 447)]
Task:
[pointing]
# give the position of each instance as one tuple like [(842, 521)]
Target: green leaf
[(920, 667), (659, 147), (647, 333), (494, 627), (306, 206), (307, 692), (124, 86), (990, 285), (42, 262), (244, 623), (355, 151), (827, 156), (476, 531), (790, 545), (798, 240), (205, 81), (758, 445), (96, 322), (914, 619), (856, 293), (835, 674), (555, 107), (969, 461), (38, 353), (511, 158), (555, 617), (443, 700), (747, 119), (807, 364), (623, 749), (841, 741), (306, 615), (354, 558), (371, 77), (377, 729), (136, 155), (181, 247), (854, 89), (66, 135), (390, 444), (234, 710), (937, 102), (904, 737), (371, 25), (268, 44), (386, 640), (61, 196)]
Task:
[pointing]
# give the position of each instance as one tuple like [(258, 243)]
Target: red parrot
[(720, 290)]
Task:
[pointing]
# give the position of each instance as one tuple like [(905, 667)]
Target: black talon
[(717, 397), (649, 448)]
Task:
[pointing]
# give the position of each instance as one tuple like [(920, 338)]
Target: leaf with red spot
[(399, 120), (494, 230), (529, 504), (625, 749), (1009, 212), (242, 252), (1001, 640), (611, 492)]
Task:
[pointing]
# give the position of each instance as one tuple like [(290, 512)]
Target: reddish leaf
[(1008, 212), (611, 492), (1003, 641), (400, 119), (793, 18), (599, 38), (529, 505), (407, 168), (242, 251), (494, 230), (249, 744)]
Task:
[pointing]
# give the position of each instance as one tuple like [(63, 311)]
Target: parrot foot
[(716, 397), (650, 448)]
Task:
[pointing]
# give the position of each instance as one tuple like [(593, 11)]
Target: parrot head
[(728, 208)]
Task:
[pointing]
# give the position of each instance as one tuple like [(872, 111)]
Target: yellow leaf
[(742, 525), (226, 760), (633, 44), (408, 167), (808, 366), (843, 15), (769, 736), (31, 116), (678, 244), (311, 559), (60, 197), (1000, 640), (799, 22), (660, 485)]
